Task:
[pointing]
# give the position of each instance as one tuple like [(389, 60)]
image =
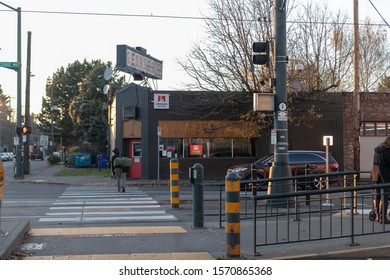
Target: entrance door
[(136, 158)]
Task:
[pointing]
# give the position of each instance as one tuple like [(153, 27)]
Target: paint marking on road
[(91, 208), (106, 230), (89, 205), (143, 256)]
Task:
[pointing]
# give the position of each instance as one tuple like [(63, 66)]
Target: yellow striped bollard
[(174, 183), (232, 210)]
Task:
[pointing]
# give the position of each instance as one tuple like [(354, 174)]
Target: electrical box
[(263, 101)]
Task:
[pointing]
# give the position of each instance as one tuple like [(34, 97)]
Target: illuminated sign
[(195, 150), (137, 61)]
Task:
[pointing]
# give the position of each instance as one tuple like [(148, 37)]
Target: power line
[(110, 14), (178, 17), (372, 4)]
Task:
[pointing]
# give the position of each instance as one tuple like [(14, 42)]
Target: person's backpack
[(123, 162)]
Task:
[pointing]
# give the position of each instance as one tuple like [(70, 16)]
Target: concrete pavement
[(209, 239)]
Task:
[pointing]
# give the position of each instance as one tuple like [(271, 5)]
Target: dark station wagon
[(297, 160)]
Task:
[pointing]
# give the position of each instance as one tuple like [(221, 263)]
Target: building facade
[(152, 127)]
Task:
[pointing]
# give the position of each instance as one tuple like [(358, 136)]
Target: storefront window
[(171, 147), (205, 147), (381, 129), (375, 129), (369, 129)]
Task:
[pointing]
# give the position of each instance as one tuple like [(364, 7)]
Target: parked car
[(3, 157), (297, 161), (36, 154), (10, 156)]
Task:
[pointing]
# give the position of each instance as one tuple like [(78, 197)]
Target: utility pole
[(281, 166), (356, 94), (18, 157), (26, 153)]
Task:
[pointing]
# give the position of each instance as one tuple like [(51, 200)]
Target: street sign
[(273, 136), (10, 65), (44, 140)]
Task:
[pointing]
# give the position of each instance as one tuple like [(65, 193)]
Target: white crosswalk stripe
[(104, 204)]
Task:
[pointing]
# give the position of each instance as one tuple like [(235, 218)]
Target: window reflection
[(205, 147)]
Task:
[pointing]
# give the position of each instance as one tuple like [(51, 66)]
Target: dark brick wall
[(374, 106)]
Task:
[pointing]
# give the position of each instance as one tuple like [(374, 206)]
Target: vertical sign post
[(327, 141)]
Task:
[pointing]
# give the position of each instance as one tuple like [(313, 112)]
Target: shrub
[(53, 159)]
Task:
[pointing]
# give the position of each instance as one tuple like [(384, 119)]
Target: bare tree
[(321, 41), (374, 55), (318, 38), (384, 84), (223, 61)]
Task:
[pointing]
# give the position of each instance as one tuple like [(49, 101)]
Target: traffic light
[(26, 129), (261, 50)]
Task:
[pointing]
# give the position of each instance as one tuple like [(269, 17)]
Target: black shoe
[(123, 189)]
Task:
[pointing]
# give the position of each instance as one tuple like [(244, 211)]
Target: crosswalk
[(91, 204)]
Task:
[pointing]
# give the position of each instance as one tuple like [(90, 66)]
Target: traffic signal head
[(261, 50), (26, 129)]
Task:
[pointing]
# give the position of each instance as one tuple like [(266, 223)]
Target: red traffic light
[(26, 129)]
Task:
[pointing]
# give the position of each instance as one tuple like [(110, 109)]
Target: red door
[(136, 157)]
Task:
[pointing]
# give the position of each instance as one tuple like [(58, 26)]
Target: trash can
[(83, 160), (101, 160)]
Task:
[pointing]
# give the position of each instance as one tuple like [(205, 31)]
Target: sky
[(59, 39)]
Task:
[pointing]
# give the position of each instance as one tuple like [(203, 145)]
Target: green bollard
[(197, 190)]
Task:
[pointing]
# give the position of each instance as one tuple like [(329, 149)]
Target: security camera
[(299, 67)]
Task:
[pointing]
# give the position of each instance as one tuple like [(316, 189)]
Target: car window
[(305, 158), (265, 160), (297, 157)]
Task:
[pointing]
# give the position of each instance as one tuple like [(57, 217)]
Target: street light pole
[(26, 153), (19, 166), (281, 166), (356, 95)]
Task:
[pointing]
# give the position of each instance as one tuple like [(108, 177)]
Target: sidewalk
[(211, 238)]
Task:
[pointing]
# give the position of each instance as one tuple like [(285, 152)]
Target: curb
[(13, 239)]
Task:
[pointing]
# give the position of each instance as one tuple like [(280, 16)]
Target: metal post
[(158, 152), (307, 183), (2, 184), (232, 209), (26, 154), (18, 157), (327, 168), (174, 183), (281, 167), (197, 190), (356, 95)]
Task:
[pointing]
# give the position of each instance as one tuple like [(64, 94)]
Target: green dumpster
[(83, 160)]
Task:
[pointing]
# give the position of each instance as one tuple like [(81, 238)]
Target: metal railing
[(312, 215), (250, 188), (340, 208)]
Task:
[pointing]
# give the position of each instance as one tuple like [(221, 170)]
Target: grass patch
[(84, 172)]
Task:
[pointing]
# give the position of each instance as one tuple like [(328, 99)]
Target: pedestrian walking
[(382, 175), (117, 172)]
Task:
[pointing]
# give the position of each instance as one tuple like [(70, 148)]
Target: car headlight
[(240, 169)]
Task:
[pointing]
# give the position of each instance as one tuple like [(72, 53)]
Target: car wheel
[(259, 186), (319, 183)]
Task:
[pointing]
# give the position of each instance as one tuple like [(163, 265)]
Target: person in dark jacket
[(382, 158), (115, 155), (117, 172)]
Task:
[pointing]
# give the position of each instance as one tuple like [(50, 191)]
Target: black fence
[(340, 208)]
